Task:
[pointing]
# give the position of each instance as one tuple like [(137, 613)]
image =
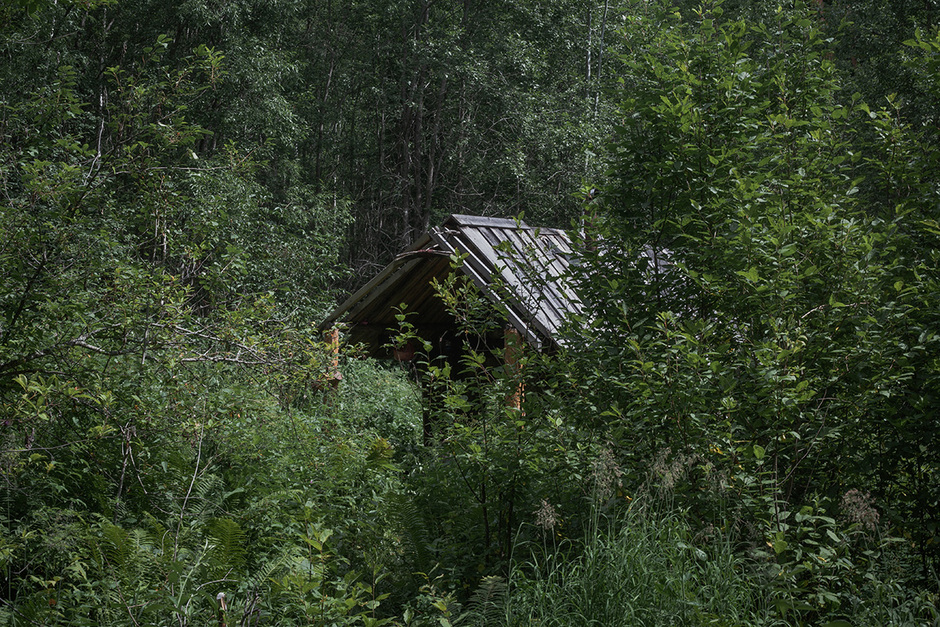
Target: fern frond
[(487, 605), (228, 539), (207, 497), (115, 545), (415, 539), (158, 532)]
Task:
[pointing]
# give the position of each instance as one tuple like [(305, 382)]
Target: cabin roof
[(520, 268)]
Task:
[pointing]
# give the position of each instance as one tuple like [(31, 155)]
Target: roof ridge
[(468, 220)]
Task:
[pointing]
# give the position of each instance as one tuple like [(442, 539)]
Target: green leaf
[(751, 275), (834, 303)]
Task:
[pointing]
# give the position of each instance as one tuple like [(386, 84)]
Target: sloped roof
[(519, 267)]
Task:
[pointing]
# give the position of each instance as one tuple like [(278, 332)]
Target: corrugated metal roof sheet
[(517, 266)]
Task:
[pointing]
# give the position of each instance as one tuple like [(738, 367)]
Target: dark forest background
[(746, 435)]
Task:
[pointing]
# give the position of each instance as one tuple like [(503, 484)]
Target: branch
[(176, 539), (80, 341), (240, 352)]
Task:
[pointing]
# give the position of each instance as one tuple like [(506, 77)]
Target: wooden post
[(512, 356), (223, 608)]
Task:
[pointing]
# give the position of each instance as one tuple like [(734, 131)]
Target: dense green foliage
[(766, 314), (742, 429)]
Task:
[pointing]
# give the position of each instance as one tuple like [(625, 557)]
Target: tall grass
[(639, 569)]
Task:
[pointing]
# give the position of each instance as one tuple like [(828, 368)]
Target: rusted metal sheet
[(521, 268)]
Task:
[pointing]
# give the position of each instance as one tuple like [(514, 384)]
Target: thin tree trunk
[(600, 57)]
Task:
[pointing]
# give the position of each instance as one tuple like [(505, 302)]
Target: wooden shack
[(520, 268)]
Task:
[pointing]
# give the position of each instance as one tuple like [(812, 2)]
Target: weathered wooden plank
[(464, 220), (513, 283), (532, 285), (481, 274), (368, 291), (537, 275), (413, 289)]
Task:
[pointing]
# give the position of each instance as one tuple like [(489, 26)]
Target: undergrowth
[(638, 568)]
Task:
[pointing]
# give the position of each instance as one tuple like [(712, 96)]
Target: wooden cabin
[(520, 268)]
